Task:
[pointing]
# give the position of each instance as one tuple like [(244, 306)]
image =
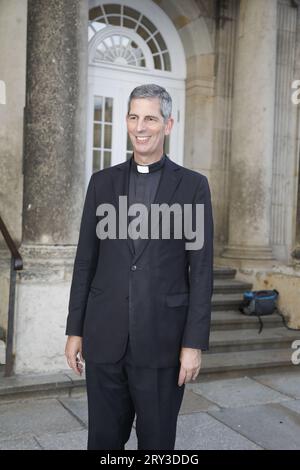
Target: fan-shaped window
[(121, 48)]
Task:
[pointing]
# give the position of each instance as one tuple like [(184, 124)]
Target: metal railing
[(16, 264)]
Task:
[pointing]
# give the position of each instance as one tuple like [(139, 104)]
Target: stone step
[(245, 362), (223, 272), (233, 319), (64, 383), (250, 339), (214, 365), (227, 301), (231, 285)]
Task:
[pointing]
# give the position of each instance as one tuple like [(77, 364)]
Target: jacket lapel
[(120, 183)]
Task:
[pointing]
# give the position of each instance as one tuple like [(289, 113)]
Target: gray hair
[(153, 91)]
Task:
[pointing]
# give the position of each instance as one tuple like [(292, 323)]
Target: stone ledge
[(25, 386)]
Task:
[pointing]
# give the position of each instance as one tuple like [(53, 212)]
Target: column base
[(248, 252), (42, 294)]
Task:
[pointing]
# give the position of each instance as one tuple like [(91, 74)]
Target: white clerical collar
[(149, 168), (142, 168)]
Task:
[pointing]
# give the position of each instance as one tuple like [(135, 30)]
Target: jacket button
[(133, 268)]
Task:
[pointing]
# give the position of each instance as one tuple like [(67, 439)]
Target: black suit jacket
[(160, 296)]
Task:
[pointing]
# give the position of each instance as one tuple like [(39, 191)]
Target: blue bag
[(259, 303)]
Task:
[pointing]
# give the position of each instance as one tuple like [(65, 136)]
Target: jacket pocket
[(177, 300)]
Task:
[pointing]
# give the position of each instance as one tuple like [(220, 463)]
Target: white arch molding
[(120, 59)]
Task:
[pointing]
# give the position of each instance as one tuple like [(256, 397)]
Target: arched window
[(141, 46)]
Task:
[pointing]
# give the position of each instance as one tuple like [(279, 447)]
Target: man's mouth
[(142, 140)]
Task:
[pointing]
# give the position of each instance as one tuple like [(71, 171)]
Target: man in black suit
[(139, 309)]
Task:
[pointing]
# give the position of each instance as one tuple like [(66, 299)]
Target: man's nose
[(140, 126)]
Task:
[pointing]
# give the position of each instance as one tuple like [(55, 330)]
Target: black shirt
[(143, 186)]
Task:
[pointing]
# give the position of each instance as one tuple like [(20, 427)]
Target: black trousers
[(116, 392)]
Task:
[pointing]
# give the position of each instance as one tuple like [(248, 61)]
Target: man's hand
[(73, 353), (190, 365)]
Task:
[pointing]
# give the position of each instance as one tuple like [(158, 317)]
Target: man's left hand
[(190, 365)]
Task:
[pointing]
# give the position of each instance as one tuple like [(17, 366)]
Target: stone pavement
[(252, 412)]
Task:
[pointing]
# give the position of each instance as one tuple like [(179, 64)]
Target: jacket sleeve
[(197, 327), (84, 265)]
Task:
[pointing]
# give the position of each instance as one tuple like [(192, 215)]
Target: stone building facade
[(230, 64)]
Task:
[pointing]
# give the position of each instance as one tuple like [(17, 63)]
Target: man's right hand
[(73, 353)]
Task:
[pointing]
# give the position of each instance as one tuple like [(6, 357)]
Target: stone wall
[(13, 22)]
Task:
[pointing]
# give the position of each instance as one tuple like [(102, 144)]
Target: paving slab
[(284, 382), (272, 426), (199, 431), (24, 443), (77, 407), (132, 442), (73, 440), (293, 405), (238, 392), (194, 403), (35, 417)]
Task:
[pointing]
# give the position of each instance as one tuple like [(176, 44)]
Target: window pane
[(114, 20), (142, 32), (112, 8), (161, 42), (131, 12), (152, 46), (148, 24), (97, 135), (95, 13), (167, 62), (96, 160), (107, 159), (108, 42), (129, 144), (129, 23), (107, 136), (157, 62), (98, 108), (167, 144), (108, 109)]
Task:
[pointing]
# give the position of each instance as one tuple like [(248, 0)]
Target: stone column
[(55, 121), (253, 132), (54, 178)]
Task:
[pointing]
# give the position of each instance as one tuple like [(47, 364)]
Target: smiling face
[(147, 129)]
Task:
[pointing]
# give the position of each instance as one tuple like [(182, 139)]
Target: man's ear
[(169, 126)]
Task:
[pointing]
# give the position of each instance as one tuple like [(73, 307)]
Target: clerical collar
[(148, 168)]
